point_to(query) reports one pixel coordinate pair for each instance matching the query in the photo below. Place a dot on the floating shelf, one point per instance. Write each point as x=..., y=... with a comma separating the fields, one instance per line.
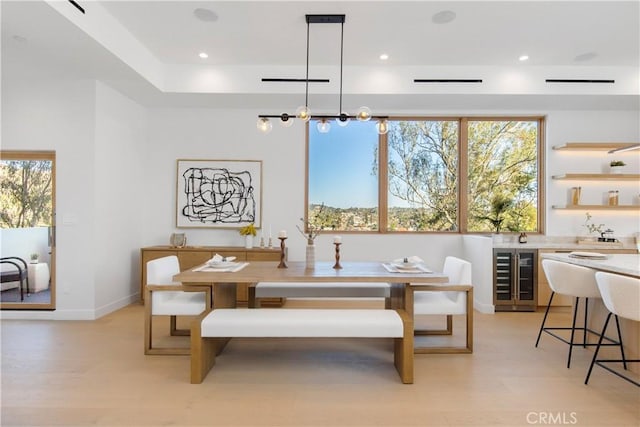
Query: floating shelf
x=593, y=146
x=599, y=176
x=598, y=207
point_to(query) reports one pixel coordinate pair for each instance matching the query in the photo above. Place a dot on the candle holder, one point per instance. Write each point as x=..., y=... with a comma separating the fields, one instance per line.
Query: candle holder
x=282, y=248
x=337, y=264
x=262, y=242
x=270, y=243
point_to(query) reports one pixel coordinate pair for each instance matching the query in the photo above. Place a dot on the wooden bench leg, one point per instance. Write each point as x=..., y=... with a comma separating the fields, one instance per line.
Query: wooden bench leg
x=203, y=351
x=403, y=349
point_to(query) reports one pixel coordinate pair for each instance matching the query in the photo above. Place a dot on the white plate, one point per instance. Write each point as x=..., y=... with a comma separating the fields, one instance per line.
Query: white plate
x=405, y=266
x=221, y=264
x=592, y=255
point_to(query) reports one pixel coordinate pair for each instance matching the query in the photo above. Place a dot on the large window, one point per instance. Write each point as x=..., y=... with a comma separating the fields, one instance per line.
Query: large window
x=427, y=175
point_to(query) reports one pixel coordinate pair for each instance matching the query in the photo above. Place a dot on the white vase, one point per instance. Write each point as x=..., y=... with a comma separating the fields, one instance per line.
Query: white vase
x=248, y=241
x=617, y=169
x=310, y=257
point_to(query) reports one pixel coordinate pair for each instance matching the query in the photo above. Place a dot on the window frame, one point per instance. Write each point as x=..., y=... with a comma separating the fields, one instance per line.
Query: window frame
x=463, y=163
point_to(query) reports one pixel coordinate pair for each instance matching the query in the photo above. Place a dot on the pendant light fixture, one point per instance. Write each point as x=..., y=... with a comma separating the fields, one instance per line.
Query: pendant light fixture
x=304, y=113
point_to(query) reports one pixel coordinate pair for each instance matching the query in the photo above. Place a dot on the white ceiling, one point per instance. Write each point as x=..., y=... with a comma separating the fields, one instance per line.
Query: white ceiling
x=483, y=33
x=149, y=49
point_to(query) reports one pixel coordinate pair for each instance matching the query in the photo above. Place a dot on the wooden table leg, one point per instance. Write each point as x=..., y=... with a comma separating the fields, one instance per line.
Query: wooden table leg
x=224, y=295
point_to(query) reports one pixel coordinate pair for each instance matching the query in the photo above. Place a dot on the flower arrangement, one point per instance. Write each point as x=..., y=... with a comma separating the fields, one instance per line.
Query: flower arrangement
x=615, y=163
x=248, y=230
x=591, y=227
x=312, y=230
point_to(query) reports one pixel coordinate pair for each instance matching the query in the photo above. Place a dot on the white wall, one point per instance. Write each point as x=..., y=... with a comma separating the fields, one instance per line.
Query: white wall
x=120, y=187
x=22, y=242
x=97, y=135
x=591, y=126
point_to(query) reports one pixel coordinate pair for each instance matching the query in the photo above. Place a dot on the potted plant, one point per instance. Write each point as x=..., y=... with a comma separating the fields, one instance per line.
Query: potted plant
x=34, y=258
x=617, y=166
x=248, y=232
x=499, y=205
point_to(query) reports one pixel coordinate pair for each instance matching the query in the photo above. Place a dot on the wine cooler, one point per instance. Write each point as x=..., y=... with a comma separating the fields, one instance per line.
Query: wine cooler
x=515, y=279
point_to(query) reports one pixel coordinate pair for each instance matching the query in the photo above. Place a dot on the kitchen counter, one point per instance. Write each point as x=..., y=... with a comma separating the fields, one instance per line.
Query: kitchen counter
x=568, y=243
x=627, y=264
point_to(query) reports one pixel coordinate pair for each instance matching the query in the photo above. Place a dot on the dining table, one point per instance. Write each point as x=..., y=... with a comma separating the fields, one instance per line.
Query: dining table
x=403, y=282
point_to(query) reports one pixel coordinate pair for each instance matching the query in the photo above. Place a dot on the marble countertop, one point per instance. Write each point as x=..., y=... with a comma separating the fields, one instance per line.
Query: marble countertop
x=565, y=243
x=627, y=264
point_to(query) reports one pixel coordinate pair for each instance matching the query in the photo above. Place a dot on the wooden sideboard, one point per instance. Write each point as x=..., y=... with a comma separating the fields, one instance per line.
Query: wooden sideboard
x=191, y=256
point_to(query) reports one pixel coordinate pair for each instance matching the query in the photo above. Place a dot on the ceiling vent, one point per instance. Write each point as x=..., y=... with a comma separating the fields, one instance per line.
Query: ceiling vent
x=447, y=80
x=579, y=81
x=281, y=80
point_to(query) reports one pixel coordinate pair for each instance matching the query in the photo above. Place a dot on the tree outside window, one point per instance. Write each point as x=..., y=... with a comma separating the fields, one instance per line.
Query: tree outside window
x=25, y=200
x=417, y=165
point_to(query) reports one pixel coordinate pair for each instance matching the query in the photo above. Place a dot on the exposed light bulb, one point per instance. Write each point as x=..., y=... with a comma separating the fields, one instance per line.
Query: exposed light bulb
x=323, y=126
x=382, y=127
x=286, y=120
x=343, y=120
x=264, y=125
x=364, y=114
x=303, y=113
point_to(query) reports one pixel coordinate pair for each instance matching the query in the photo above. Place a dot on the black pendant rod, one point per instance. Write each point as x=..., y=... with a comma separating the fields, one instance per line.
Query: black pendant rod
x=341, y=59
x=306, y=89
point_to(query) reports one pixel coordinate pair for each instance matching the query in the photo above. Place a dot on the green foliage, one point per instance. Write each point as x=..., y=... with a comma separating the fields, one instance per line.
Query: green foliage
x=423, y=174
x=500, y=204
x=617, y=163
x=25, y=199
x=502, y=164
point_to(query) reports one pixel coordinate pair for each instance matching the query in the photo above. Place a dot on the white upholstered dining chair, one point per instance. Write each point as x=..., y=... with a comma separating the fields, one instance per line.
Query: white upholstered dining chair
x=164, y=297
x=447, y=303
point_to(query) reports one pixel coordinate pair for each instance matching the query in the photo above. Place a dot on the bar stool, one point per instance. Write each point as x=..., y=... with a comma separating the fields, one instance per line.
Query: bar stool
x=621, y=296
x=578, y=282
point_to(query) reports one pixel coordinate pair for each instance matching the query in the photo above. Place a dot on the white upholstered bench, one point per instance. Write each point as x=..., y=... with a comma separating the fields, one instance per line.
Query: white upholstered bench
x=314, y=290
x=211, y=331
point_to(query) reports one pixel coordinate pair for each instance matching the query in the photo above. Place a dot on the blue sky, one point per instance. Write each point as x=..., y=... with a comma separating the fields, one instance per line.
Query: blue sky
x=340, y=165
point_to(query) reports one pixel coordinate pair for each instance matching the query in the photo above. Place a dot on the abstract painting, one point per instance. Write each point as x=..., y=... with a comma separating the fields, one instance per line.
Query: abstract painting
x=218, y=193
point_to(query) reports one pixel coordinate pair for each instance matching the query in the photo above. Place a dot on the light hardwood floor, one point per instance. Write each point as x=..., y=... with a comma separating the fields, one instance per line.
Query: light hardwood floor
x=88, y=373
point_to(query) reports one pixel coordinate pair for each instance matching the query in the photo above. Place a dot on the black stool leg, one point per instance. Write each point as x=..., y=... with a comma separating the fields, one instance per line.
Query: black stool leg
x=584, y=331
x=624, y=360
x=595, y=353
x=573, y=331
x=544, y=319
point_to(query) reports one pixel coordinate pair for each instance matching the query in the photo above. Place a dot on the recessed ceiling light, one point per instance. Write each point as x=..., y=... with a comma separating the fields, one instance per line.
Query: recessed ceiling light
x=523, y=58
x=585, y=57
x=203, y=55
x=206, y=15
x=443, y=17
x=384, y=57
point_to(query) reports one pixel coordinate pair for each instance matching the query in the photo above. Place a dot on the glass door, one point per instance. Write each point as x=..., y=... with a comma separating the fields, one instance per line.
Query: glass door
x=27, y=230
x=503, y=277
